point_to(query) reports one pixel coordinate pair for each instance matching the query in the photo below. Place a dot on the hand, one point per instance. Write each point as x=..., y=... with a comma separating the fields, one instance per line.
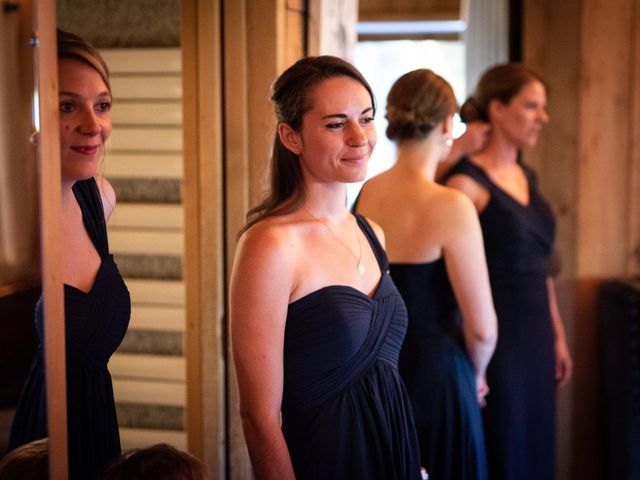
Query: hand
x=564, y=364
x=482, y=390
x=473, y=140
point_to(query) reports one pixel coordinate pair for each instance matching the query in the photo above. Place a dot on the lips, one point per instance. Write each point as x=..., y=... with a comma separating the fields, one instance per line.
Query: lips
x=357, y=158
x=86, y=150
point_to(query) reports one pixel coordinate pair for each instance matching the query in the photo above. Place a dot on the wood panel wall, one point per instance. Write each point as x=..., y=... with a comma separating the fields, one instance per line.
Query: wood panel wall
x=144, y=164
x=409, y=10
x=251, y=65
x=589, y=167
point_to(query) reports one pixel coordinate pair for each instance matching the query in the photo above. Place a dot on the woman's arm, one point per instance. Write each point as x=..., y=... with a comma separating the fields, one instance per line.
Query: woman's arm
x=564, y=364
x=261, y=283
x=472, y=141
x=467, y=269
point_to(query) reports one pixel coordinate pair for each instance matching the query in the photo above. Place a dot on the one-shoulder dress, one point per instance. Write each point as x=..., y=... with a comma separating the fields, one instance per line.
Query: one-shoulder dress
x=345, y=411
x=96, y=322
x=439, y=376
x=519, y=419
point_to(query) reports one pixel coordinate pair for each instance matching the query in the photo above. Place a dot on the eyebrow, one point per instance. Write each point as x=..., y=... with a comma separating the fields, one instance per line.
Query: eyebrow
x=344, y=115
x=72, y=94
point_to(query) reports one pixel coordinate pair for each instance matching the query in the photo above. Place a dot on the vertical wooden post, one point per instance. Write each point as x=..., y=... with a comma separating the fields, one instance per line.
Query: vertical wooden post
x=204, y=246
x=237, y=167
x=46, y=74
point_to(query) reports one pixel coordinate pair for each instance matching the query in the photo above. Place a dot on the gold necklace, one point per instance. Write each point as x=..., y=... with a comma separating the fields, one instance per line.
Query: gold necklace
x=358, y=258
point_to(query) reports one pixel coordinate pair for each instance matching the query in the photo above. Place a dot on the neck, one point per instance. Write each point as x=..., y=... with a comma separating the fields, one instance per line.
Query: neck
x=67, y=198
x=326, y=200
x=418, y=158
x=498, y=153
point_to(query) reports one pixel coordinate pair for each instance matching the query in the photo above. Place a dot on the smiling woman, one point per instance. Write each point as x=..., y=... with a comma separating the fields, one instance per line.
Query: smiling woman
x=334, y=378
x=97, y=305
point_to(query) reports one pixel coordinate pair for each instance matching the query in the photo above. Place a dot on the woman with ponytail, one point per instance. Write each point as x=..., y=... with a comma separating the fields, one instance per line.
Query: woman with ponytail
x=316, y=322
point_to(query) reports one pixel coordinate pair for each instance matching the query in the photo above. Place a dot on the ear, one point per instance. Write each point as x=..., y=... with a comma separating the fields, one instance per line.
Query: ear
x=495, y=108
x=290, y=138
x=447, y=126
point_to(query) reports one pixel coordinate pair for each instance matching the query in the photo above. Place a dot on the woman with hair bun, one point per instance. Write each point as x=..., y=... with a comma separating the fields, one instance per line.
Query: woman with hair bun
x=531, y=358
x=434, y=244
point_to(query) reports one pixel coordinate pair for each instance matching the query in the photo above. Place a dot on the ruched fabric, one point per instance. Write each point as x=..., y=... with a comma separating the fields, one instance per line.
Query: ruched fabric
x=345, y=412
x=95, y=324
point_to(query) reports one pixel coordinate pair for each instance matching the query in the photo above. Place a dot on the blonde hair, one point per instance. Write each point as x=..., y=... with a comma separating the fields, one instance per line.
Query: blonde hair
x=73, y=47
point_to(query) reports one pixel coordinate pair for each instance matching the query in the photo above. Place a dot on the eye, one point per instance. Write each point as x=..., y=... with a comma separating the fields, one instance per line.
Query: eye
x=104, y=106
x=67, y=107
x=335, y=125
x=366, y=120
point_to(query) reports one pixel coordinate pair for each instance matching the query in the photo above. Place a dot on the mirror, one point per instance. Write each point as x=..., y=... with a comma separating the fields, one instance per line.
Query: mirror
x=140, y=42
x=19, y=231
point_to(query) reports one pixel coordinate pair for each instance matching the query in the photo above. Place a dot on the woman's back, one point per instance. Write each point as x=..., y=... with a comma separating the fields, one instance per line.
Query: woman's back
x=419, y=218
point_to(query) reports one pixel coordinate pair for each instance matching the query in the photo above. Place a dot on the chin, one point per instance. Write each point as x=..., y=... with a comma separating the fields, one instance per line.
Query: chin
x=78, y=175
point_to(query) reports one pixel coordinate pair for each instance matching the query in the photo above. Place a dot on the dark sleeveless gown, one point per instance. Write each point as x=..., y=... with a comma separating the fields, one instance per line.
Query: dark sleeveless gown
x=519, y=419
x=95, y=325
x=345, y=412
x=439, y=376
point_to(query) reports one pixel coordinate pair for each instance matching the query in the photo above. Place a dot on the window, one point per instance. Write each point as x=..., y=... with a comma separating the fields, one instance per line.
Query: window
x=383, y=61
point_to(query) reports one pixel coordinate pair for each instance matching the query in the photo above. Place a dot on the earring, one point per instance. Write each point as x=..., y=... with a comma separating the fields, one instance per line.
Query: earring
x=449, y=141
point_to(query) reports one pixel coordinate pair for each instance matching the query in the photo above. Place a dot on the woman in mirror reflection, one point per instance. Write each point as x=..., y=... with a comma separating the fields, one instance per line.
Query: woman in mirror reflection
x=435, y=249
x=531, y=358
x=96, y=300
x=316, y=321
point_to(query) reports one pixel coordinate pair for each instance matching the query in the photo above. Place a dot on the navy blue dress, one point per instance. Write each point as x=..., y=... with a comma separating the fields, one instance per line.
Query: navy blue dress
x=95, y=325
x=439, y=376
x=345, y=411
x=519, y=419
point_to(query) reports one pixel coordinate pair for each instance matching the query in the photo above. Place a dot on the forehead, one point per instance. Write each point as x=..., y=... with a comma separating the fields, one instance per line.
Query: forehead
x=533, y=90
x=339, y=95
x=75, y=75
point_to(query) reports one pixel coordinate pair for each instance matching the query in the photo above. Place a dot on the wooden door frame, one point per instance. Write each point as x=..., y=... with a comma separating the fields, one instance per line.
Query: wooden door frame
x=204, y=227
x=43, y=15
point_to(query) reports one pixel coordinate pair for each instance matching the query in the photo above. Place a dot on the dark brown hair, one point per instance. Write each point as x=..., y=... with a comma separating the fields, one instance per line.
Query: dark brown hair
x=73, y=47
x=291, y=95
x=27, y=462
x=501, y=82
x=417, y=102
x=159, y=461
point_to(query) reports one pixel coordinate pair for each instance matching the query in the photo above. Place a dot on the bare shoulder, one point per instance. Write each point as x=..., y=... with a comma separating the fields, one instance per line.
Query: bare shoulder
x=373, y=191
x=452, y=201
x=472, y=189
x=107, y=194
x=271, y=241
x=450, y=211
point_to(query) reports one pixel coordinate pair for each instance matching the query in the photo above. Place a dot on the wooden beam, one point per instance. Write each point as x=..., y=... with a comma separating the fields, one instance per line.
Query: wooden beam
x=633, y=265
x=604, y=128
x=236, y=153
x=204, y=247
x=46, y=72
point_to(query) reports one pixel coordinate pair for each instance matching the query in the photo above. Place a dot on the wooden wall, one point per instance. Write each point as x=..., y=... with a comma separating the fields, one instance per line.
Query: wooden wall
x=224, y=176
x=144, y=164
x=409, y=10
x=589, y=166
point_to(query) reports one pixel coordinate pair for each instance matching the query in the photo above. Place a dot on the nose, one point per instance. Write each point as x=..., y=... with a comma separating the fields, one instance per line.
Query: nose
x=544, y=116
x=89, y=123
x=357, y=135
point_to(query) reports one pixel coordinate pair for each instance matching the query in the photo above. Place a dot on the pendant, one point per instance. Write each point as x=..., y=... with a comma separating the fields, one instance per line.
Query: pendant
x=361, y=269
